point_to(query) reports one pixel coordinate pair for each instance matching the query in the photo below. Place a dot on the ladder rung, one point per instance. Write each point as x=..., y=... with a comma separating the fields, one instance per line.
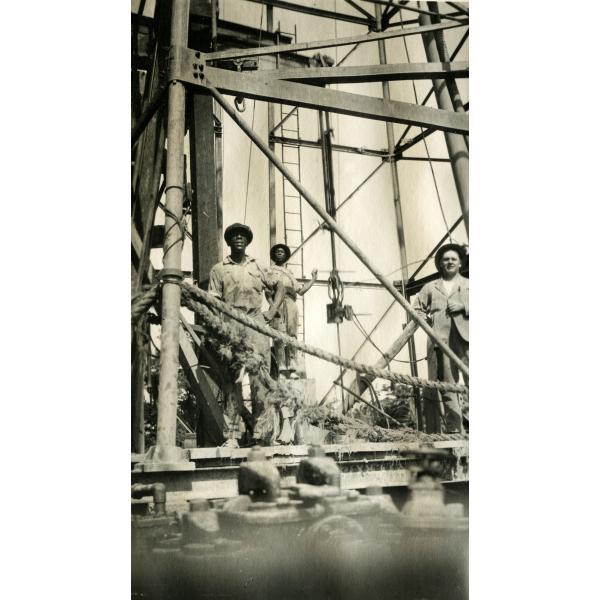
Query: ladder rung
x=291, y=212
x=289, y=229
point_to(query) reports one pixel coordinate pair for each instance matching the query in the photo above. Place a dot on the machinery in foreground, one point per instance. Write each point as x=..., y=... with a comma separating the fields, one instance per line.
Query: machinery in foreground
x=309, y=539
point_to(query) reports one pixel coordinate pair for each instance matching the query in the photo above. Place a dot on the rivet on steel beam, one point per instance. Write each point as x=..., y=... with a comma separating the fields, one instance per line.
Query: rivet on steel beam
x=197, y=54
x=195, y=75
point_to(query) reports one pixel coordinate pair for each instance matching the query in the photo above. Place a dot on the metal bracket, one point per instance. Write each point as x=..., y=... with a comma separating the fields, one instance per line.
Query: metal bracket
x=171, y=275
x=186, y=65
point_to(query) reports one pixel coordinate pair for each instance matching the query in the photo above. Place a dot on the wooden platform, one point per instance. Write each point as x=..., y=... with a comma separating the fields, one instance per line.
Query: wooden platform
x=362, y=465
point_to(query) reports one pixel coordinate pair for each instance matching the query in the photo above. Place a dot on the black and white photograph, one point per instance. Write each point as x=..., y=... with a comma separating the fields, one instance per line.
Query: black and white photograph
x=237, y=314
x=300, y=299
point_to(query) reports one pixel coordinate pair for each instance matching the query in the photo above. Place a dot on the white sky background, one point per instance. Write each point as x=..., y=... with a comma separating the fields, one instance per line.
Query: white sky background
x=369, y=216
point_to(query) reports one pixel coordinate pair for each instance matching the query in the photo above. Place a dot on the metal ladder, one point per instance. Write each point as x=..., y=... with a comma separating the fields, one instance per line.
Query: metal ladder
x=292, y=202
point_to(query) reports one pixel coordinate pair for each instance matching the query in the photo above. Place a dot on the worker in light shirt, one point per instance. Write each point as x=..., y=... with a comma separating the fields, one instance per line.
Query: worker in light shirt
x=445, y=304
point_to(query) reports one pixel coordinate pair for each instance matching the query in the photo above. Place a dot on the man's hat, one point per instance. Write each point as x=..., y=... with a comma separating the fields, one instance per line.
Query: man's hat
x=287, y=250
x=460, y=250
x=238, y=227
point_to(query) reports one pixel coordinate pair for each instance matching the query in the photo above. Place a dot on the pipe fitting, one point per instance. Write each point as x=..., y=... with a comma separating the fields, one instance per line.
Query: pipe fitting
x=158, y=491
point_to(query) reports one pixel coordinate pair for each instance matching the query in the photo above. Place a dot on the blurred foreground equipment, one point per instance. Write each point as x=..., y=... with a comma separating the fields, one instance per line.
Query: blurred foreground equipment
x=307, y=539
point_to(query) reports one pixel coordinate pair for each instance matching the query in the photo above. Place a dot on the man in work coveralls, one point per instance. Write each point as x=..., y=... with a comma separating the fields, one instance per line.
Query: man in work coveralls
x=286, y=318
x=444, y=303
x=240, y=281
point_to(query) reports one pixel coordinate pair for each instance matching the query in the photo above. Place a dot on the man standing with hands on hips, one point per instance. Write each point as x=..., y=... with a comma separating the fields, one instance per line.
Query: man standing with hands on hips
x=445, y=305
x=240, y=281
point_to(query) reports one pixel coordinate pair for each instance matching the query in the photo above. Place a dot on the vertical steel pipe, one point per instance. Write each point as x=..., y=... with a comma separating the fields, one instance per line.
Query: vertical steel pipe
x=270, y=126
x=444, y=57
x=171, y=292
x=391, y=146
x=457, y=147
x=389, y=128
x=329, y=188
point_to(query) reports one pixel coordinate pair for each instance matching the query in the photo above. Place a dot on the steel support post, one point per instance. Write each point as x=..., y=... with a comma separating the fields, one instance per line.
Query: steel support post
x=443, y=53
x=165, y=454
x=214, y=24
x=387, y=284
x=329, y=189
x=270, y=126
x=389, y=127
x=457, y=147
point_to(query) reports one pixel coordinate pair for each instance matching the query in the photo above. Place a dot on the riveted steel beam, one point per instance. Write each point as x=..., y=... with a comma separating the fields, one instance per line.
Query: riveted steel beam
x=335, y=147
x=309, y=96
x=361, y=74
x=345, y=41
x=403, y=5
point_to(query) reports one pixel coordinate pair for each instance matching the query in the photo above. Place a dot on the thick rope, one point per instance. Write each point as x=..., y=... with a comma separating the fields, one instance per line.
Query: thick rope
x=140, y=303
x=244, y=319
x=143, y=301
x=243, y=355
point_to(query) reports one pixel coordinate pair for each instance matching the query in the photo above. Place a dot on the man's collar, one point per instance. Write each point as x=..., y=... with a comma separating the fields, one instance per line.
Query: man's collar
x=229, y=261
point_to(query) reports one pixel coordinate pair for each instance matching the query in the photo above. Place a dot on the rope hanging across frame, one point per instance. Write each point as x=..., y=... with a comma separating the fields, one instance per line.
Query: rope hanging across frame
x=194, y=298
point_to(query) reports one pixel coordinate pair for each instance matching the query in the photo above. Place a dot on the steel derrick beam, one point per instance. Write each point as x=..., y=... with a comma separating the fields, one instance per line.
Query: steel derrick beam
x=315, y=12
x=360, y=9
x=335, y=147
x=166, y=455
x=461, y=7
x=345, y=41
x=403, y=6
x=367, y=73
x=308, y=96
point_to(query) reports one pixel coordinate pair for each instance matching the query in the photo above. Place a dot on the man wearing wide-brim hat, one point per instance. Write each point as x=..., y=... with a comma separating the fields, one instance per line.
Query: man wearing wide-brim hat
x=286, y=318
x=240, y=281
x=445, y=304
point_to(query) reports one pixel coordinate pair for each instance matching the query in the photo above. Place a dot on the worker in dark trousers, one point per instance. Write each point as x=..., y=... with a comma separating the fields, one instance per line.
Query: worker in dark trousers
x=241, y=282
x=445, y=304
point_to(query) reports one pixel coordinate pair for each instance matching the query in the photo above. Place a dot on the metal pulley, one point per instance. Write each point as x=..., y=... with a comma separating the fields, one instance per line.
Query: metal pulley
x=336, y=310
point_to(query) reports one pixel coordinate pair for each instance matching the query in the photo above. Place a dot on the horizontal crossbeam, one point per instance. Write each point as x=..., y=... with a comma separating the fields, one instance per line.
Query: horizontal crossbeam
x=335, y=147
x=345, y=41
x=308, y=96
x=361, y=74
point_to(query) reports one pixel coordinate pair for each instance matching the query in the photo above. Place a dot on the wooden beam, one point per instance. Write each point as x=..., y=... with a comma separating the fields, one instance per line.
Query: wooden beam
x=308, y=96
x=345, y=41
x=361, y=74
x=207, y=214
x=211, y=414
